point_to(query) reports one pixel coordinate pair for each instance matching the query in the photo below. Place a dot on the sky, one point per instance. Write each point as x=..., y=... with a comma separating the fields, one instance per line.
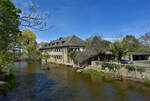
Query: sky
x=111, y=19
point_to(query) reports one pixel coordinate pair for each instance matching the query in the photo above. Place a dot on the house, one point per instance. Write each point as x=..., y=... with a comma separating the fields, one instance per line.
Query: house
x=59, y=49
x=136, y=56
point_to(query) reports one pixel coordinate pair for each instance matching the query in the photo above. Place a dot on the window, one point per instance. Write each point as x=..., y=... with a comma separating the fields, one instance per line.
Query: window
x=53, y=44
x=63, y=42
x=57, y=43
x=49, y=50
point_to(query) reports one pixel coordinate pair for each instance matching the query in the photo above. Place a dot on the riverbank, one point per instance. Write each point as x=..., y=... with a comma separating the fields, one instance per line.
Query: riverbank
x=113, y=71
x=118, y=72
x=7, y=82
x=63, y=82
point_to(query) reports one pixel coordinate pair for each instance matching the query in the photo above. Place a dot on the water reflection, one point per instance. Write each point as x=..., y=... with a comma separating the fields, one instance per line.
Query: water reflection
x=64, y=84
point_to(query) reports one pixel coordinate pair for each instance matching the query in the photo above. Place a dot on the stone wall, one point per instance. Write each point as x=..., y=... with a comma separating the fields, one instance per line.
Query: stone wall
x=122, y=72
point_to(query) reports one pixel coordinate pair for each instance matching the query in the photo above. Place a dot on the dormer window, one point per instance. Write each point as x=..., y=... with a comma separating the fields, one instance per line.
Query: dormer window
x=53, y=44
x=57, y=43
x=63, y=42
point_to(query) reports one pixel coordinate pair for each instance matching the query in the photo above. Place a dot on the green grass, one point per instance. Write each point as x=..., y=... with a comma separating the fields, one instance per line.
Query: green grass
x=147, y=62
x=51, y=63
x=140, y=69
x=130, y=67
x=94, y=72
x=147, y=82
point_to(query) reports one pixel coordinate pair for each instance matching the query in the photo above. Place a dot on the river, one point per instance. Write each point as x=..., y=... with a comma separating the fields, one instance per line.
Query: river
x=62, y=83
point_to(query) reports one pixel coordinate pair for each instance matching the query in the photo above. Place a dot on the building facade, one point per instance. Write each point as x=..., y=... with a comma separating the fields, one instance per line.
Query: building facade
x=59, y=49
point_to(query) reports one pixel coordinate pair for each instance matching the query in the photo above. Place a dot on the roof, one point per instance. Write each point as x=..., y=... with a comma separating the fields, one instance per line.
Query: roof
x=137, y=53
x=66, y=42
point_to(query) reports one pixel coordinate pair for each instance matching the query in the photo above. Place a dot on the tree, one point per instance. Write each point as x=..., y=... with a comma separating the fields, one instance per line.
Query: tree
x=29, y=40
x=131, y=43
x=31, y=19
x=9, y=23
x=118, y=50
x=107, y=44
x=145, y=41
x=95, y=46
x=5, y=61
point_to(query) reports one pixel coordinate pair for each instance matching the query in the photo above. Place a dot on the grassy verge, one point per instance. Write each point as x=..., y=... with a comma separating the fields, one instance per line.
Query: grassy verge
x=147, y=82
x=94, y=72
x=146, y=62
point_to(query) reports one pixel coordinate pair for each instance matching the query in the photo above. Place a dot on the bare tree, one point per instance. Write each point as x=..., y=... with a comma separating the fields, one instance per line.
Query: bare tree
x=145, y=39
x=145, y=43
x=34, y=20
x=94, y=47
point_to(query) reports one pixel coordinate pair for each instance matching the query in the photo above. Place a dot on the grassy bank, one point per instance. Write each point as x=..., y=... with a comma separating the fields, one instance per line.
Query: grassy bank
x=94, y=72
x=147, y=62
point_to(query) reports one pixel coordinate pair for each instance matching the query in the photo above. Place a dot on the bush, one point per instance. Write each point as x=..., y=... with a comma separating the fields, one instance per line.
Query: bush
x=5, y=61
x=73, y=54
x=11, y=83
x=110, y=66
x=130, y=67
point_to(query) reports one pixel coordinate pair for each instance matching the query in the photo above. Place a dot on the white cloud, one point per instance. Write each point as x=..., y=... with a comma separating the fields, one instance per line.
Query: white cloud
x=41, y=40
x=113, y=39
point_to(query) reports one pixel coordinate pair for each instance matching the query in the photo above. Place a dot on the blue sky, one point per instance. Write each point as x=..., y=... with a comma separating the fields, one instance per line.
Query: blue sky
x=84, y=18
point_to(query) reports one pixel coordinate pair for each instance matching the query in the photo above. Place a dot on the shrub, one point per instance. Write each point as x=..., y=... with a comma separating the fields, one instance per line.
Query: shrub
x=11, y=83
x=110, y=66
x=73, y=54
x=130, y=67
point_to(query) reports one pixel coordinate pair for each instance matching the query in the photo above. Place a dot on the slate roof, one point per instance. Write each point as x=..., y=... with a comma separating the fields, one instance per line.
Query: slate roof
x=66, y=42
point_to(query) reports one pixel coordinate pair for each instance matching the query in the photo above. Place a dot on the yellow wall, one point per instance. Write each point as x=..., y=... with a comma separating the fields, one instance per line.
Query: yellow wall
x=65, y=58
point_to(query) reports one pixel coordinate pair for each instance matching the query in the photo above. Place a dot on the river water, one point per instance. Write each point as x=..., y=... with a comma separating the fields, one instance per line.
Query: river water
x=62, y=83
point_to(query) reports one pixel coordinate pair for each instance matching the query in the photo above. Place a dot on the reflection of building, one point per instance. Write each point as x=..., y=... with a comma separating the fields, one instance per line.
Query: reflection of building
x=59, y=49
x=135, y=56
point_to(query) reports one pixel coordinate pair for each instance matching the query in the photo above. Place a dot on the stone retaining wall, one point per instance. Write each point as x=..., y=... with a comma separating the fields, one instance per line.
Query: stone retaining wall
x=122, y=72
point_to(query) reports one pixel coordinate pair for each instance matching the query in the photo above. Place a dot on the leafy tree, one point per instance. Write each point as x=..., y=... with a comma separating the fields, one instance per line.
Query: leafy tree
x=5, y=61
x=29, y=40
x=131, y=43
x=118, y=50
x=9, y=23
